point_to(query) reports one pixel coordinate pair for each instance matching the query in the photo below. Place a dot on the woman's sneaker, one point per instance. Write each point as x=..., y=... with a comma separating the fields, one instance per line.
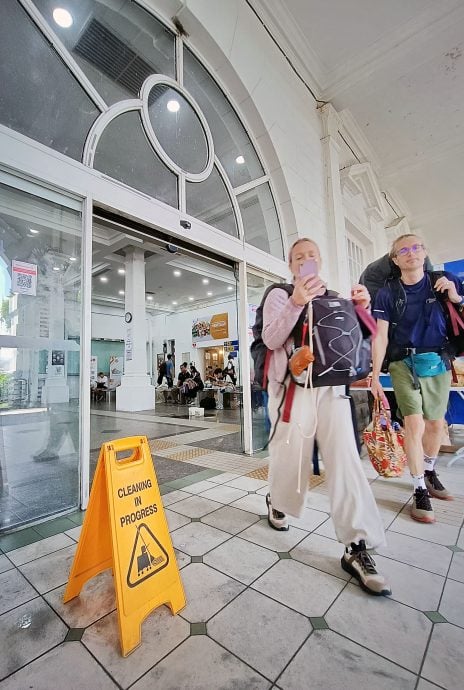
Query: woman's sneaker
x=360, y=564
x=275, y=518
x=435, y=487
x=422, y=510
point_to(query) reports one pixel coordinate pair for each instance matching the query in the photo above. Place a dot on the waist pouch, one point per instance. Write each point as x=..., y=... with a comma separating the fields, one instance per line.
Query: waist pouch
x=425, y=364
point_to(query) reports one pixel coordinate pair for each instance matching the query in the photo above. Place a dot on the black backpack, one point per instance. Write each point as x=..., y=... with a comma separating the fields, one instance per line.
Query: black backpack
x=341, y=344
x=381, y=271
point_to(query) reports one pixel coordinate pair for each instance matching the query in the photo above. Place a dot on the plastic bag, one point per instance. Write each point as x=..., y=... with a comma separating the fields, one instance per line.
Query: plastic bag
x=385, y=444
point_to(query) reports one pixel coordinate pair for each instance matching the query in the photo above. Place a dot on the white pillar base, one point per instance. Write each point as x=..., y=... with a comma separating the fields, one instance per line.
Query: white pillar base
x=135, y=395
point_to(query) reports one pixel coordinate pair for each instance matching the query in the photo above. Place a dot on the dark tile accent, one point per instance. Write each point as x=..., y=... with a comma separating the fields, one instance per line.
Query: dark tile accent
x=14, y=541
x=197, y=559
x=185, y=481
x=283, y=554
x=196, y=519
x=77, y=518
x=456, y=549
x=74, y=634
x=319, y=623
x=56, y=526
x=231, y=443
x=198, y=628
x=435, y=617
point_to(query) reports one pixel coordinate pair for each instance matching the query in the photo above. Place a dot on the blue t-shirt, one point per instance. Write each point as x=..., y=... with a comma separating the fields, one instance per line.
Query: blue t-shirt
x=423, y=322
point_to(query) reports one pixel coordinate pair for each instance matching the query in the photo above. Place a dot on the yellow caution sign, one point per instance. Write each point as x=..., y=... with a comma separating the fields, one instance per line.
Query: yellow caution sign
x=125, y=529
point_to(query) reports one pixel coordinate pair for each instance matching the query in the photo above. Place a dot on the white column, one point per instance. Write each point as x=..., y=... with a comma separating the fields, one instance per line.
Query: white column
x=135, y=392
x=339, y=277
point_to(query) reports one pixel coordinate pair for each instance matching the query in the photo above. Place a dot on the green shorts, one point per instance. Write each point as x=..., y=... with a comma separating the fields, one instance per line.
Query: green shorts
x=430, y=401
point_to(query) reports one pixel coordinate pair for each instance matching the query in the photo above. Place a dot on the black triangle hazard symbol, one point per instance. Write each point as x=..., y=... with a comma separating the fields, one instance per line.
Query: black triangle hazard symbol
x=148, y=556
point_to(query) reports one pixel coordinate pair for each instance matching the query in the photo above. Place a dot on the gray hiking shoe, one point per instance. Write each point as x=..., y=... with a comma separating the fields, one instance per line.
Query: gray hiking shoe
x=435, y=487
x=360, y=564
x=421, y=509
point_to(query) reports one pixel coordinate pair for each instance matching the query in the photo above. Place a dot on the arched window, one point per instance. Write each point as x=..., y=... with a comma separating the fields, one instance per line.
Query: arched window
x=128, y=108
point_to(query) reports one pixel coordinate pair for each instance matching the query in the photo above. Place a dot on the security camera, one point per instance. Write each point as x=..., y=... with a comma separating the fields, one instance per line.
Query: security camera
x=186, y=224
x=172, y=248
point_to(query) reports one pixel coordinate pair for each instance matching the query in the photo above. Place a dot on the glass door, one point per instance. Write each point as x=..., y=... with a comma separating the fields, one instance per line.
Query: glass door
x=40, y=282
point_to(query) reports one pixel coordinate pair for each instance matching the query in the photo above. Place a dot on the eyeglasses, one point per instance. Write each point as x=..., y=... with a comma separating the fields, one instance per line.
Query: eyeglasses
x=407, y=250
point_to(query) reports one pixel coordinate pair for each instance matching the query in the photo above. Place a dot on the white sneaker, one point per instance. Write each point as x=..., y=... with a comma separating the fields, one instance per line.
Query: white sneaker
x=275, y=518
x=360, y=564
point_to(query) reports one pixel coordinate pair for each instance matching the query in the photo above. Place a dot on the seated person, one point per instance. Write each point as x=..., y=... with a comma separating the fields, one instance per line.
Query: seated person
x=192, y=385
x=209, y=376
x=101, y=386
x=177, y=390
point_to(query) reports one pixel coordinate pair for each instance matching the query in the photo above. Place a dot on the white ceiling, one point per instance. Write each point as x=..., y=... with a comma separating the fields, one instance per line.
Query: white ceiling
x=398, y=67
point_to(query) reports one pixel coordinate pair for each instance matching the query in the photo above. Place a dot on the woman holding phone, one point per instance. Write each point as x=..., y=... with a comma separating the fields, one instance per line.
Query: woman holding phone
x=322, y=414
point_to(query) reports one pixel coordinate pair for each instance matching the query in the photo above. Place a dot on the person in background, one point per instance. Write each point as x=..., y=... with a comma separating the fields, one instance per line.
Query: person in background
x=192, y=385
x=169, y=371
x=419, y=364
x=321, y=414
x=101, y=386
x=230, y=369
x=182, y=376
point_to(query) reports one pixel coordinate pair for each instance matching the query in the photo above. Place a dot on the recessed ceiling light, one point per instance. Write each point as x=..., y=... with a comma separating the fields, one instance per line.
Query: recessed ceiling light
x=205, y=281
x=121, y=271
x=150, y=298
x=190, y=299
x=210, y=294
x=175, y=303
x=240, y=160
x=121, y=292
x=72, y=258
x=34, y=232
x=62, y=17
x=56, y=268
x=173, y=106
x=229, y=287
x=103, y=279
x=177, y=273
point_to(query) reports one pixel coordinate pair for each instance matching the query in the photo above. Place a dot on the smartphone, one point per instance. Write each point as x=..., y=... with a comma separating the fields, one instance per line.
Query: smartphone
x=309, y=268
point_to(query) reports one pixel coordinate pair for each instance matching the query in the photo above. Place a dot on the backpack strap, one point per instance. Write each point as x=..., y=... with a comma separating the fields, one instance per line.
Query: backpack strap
x=289, y=401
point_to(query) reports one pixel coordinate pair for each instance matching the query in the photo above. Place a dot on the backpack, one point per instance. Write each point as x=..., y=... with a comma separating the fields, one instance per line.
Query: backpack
x=341, y=344
x=380, y=272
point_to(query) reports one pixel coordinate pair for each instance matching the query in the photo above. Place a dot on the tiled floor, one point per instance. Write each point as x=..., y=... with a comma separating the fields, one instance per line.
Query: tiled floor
x=264, y=609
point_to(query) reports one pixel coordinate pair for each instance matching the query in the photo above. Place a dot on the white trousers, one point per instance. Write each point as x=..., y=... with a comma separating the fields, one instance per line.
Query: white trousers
x=326, y=411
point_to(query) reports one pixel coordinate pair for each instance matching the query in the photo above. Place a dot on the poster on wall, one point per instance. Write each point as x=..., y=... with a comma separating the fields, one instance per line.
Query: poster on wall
x=128, y=345
x=23, y=278
x=116, y=370
x=93, y=368
x=207, y=328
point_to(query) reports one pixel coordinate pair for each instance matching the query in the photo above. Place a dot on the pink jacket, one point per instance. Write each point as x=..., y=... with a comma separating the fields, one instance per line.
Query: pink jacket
x=280, y=315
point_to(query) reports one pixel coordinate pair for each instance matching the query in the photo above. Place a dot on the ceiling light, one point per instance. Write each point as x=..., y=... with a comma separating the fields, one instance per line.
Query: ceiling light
x=103, y=279
x=205, y=281
x=121, y=292
x=190, y=299
x=121, y=271
x=229, y=287
x=56, y=268
x=240, y=160
x=72, y=258
x=173, y=106
x=210, y=294
x=177, y=273
x=34, y=232
x=150, y=298
x=62, y=17
x=175, y=304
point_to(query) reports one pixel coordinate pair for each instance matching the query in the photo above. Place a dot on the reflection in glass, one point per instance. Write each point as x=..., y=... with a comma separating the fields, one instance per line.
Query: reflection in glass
x=260, y=221
x=177, y=128
x=232, y=144
x=117, y=44
x=125, y=153
x=30, y=71
x=209, y=201
x=40, y=279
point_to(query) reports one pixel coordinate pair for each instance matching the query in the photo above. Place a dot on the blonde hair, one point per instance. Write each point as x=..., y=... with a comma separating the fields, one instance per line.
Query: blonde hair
x=403, y=237
x=298, y=241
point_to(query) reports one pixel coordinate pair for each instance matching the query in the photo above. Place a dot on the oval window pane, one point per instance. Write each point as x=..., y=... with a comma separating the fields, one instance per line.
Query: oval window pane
x=260, y=221
x=178, y=128
x=124, y=153
x=232, y=145
x=209, y=201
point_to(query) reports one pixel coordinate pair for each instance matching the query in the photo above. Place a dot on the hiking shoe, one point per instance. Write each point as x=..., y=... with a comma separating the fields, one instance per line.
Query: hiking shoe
x=422, y=510
x=435, y=487
x=275, y=518
x=360, y=564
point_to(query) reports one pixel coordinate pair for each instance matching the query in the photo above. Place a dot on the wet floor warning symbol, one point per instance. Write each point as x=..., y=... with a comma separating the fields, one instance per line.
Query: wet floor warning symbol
x=148, y=556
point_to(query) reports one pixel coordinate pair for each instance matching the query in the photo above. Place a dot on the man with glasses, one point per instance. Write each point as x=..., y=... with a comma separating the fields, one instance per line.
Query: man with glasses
x=412, y=332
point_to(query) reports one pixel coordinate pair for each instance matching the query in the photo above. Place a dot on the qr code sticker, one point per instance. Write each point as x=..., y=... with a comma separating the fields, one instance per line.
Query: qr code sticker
x=24, y=281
